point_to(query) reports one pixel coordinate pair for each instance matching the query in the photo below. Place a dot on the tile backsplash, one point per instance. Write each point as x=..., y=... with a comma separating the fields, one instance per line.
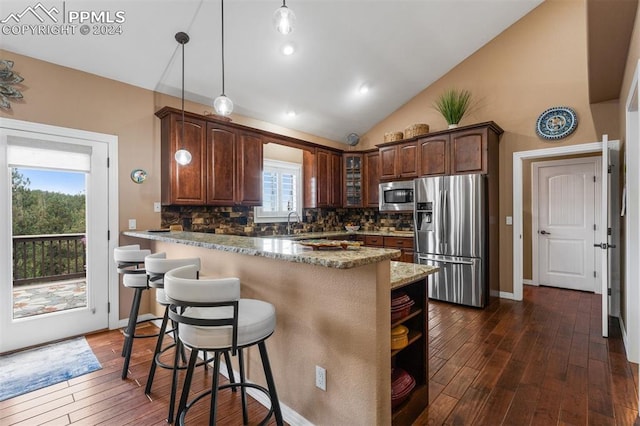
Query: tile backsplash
x=239, y=220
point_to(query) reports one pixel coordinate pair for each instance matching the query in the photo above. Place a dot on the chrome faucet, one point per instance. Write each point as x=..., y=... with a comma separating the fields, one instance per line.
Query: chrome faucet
x=289, y=220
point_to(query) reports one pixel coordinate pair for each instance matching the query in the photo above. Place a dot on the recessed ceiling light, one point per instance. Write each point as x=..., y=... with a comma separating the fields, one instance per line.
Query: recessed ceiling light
x=364, y=88
x=288, y=49
x=291, y=113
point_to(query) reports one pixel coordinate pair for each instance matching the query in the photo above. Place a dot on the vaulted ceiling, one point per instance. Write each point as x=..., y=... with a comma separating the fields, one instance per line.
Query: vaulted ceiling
x=397, y=47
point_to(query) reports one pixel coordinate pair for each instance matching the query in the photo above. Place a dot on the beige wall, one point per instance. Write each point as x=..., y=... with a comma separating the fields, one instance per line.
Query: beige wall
x=66, y=97
x=538, y=63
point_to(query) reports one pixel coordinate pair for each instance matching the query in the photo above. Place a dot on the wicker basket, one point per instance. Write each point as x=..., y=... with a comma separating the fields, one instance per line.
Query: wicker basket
x=393, y=136
x=416, y=130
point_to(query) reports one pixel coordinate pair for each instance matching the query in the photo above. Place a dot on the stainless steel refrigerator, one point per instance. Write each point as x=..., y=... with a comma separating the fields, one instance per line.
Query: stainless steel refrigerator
x=451, y=233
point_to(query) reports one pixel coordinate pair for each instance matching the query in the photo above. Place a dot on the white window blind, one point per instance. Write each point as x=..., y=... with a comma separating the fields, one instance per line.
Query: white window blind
x=22, y=152
x=281, y=192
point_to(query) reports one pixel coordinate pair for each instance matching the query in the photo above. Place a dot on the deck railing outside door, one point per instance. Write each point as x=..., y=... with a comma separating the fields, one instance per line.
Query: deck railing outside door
x=42, y=258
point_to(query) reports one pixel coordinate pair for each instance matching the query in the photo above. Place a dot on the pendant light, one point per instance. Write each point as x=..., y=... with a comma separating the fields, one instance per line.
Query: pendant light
x=222, y=104
x=284, y=19
x=182, y=156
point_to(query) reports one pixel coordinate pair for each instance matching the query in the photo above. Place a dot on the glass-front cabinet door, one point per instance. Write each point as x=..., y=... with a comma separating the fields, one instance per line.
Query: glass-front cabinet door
x=353, y=178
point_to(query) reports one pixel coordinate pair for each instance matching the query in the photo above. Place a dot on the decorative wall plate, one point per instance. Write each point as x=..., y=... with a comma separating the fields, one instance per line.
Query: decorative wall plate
x=556, y=123
x=138, y=175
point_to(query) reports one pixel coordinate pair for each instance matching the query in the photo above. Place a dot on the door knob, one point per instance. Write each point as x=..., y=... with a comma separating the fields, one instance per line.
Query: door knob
x=605, y=246
x=543, y=232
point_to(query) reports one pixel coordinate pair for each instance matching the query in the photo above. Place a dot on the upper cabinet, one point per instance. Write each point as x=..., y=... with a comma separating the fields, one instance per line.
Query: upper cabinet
x=371, y=178
x=399, y=161
x=183, y=184
x=434, y=155
x=353, y=177
x=469, y=149
x=323, y=178
x=226, y=165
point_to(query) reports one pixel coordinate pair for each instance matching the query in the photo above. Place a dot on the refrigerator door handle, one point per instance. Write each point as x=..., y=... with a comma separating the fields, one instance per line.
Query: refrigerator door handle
x=443, y=260
x=445, y=219
x=441, y=217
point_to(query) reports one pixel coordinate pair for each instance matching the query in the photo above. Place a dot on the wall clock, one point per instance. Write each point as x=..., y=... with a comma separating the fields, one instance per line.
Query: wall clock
x=556, y=123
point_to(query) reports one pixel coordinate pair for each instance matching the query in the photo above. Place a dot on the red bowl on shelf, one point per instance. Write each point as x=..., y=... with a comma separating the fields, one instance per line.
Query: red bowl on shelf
x=401, y=311
x=401, y=386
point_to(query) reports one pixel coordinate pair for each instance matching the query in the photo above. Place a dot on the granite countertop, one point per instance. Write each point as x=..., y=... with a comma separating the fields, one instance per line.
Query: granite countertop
x=404, y=273
x=345, y=234
x=275, y=248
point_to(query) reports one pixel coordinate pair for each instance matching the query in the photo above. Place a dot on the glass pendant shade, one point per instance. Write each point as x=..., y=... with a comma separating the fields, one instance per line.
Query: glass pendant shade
x=223, y=105
x=284, y=20
x=183, y=157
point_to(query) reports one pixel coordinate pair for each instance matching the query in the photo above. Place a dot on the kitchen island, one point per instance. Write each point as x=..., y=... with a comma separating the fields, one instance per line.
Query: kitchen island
x=333, y=311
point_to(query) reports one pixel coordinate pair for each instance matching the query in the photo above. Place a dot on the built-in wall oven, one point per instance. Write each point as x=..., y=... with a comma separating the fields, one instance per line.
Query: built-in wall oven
x=396, y=196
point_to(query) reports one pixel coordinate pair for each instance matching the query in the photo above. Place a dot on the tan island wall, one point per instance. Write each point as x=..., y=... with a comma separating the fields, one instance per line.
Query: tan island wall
x=335, y=318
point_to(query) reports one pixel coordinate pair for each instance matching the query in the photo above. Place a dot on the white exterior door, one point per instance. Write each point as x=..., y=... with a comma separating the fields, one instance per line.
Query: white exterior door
x=61, y=153
x=566, y=223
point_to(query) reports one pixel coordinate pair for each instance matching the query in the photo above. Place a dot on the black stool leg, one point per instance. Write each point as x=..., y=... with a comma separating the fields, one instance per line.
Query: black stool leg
x=187, y=385
x=243, y=391
x=270, y=383
x=131, y=330
x=174, y=382
x=154, y=362
x=227, y=360
x=214, y=388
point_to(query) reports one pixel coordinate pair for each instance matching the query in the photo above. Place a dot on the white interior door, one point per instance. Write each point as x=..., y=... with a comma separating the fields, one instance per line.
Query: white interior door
x=566, y=224
x=23, y=150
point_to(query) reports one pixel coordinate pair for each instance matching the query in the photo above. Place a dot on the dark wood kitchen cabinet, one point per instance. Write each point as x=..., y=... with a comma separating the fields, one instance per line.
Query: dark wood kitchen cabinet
x=322, y=171
x=434, y=155
x=234, y=167
x=354, y=180
x=399, y=161
x=371, y=178
x=226, y=165
x=185, y=185
x=471, y=149
x=468, y=149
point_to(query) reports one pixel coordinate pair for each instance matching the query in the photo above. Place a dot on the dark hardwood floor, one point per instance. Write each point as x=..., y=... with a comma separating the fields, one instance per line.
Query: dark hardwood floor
x=103, y=398
x=537, y=362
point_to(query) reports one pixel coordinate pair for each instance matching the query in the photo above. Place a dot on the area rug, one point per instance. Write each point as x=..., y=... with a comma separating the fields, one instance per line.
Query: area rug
x=33, y=369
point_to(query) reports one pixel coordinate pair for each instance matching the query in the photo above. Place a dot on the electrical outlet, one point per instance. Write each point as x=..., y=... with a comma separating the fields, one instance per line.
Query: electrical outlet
x=156, y=207
x=321, y=378
x=132, y=224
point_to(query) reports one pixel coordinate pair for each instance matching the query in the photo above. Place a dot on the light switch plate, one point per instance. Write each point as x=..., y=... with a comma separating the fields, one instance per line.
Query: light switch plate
x=132, y=224
x=509, y=220
x=156, y=207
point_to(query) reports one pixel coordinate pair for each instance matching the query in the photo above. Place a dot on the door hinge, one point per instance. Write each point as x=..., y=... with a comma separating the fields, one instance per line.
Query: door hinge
x=108, y=307
x=594, y=274
x=594, y=227
x=609, y=291
x=594, y=179
x=609, y=231
x=108, y=162
x=108, y=235
x=609, y=168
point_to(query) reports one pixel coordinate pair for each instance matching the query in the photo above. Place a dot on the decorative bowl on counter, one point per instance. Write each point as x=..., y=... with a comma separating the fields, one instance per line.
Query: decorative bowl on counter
x=352, y=228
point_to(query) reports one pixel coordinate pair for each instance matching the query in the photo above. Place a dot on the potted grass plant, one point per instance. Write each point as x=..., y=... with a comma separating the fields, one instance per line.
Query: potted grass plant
x=453, y=104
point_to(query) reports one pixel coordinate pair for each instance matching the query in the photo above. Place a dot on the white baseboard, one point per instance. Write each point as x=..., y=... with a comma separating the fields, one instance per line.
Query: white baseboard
x=144, y=317
x=528, y=282
x=506, y=295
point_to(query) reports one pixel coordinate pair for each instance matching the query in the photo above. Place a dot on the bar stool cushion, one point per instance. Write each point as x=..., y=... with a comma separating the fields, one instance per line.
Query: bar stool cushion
x=157, y=263
x=135, y=280
x=256, y=321
x=130, y=253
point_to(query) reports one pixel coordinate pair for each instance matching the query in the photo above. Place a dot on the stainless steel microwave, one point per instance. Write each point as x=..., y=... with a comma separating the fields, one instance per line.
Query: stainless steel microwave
x=396, y=196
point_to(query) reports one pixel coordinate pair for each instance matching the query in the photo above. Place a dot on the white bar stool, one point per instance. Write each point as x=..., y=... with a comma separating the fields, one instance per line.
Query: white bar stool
x=129, y=262
x=215, y=319
x=157, y=265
